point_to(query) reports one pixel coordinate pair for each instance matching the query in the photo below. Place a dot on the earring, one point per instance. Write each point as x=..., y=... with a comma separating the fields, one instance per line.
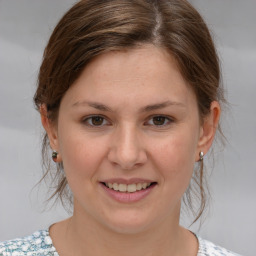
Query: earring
x=54, y=155
x=201, y=155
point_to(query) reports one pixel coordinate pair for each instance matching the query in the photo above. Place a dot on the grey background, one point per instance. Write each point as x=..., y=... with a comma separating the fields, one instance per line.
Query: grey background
x=25, y=26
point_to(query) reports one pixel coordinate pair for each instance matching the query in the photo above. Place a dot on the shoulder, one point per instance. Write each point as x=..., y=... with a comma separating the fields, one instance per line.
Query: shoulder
x=207, y=248
x=37, y=244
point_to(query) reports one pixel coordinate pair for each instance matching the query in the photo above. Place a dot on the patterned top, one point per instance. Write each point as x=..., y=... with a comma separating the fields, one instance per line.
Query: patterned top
x=40, y=244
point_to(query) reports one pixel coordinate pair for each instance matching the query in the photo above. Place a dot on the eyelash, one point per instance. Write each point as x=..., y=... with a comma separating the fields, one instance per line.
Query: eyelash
x=88, y=121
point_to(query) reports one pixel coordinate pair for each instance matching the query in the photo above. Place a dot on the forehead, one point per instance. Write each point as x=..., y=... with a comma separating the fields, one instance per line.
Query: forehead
x=138, y=75
x=144, y=61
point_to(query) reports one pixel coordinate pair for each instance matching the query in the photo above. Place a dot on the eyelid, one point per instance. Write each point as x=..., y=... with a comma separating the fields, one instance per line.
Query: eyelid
x=85, y=121
x=168, y=118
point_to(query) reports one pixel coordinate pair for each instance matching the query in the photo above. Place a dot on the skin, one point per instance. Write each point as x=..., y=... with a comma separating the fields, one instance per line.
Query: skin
x=129, y=143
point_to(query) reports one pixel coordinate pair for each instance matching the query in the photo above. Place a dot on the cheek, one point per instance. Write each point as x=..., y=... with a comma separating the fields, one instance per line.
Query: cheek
x=175, y=159
x=81, y=154
x=177, y=151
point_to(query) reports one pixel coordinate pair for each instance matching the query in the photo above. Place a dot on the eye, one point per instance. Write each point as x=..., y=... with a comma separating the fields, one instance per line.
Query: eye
x=159, y=121
x=95, y=121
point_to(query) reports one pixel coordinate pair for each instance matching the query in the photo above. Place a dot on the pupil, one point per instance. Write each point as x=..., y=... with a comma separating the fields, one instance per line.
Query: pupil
x=159, y=120
x=97, y=120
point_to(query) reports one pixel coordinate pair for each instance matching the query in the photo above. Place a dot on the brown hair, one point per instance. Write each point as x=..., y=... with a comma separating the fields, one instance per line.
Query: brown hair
x=93, y=27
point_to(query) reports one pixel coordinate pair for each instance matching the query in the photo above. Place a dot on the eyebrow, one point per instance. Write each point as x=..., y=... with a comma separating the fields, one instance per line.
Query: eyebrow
x=161, y=105
x=148, y=108
x=95, y=105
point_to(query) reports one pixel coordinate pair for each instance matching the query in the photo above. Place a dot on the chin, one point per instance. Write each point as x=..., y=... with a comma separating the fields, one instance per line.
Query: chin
x=129, y=223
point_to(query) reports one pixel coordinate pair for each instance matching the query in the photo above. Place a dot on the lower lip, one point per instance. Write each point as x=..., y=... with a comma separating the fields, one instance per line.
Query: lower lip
x=126, y=197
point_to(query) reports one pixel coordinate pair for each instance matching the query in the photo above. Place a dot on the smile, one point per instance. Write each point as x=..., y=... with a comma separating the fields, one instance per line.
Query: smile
x=128, y=188
x=128, y=191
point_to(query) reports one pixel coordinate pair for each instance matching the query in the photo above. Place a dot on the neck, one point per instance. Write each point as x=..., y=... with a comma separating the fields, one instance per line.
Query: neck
x=106, y=242
x=84, y=236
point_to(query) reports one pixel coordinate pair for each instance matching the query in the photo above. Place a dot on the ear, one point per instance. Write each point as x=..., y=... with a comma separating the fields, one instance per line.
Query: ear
x=208, y=129
x=50, y=128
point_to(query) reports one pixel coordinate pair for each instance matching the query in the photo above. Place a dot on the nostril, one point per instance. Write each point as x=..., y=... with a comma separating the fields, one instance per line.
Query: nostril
x=127, y=155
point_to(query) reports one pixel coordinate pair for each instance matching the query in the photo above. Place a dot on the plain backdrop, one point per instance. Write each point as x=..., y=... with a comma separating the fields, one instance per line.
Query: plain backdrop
x=25, y=26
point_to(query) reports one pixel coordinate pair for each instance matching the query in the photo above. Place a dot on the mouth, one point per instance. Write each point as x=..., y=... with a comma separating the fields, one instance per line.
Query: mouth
x=128, y=188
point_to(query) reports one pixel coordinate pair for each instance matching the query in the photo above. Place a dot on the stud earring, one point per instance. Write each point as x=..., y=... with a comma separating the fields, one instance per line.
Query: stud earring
x=201, y=155
x=54, y=155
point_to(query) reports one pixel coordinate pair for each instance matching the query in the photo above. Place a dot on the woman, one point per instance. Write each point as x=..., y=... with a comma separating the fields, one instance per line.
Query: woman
x=129, y=96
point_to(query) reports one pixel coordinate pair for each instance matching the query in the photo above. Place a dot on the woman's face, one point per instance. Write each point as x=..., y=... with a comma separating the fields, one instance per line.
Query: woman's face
x=128, y=134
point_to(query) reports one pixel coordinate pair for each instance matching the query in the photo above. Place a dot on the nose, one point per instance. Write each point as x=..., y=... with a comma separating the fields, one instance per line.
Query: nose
x=127, y=149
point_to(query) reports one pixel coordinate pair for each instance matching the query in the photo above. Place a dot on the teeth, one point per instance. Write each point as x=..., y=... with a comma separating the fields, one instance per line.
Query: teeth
x=115, y=186
x=122, y=187
x=139, y=186
x=128, y=188
x=144, y=185
x=131, y=188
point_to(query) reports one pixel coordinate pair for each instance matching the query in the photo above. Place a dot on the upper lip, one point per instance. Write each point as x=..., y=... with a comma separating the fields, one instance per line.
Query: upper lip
x=127, y=181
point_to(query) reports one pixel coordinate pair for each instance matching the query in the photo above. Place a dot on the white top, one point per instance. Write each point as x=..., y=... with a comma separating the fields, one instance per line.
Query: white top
x=40, y=244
